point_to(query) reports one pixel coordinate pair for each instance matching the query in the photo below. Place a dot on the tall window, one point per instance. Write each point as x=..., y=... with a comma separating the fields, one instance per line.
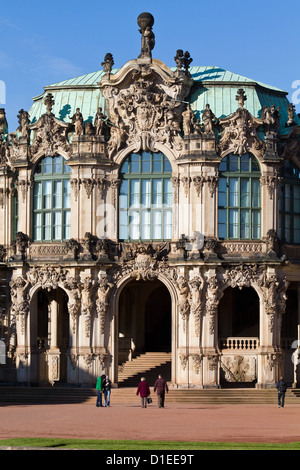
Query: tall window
x=51, y=200
x=239, y=211
x=145, y=201
x=289, y=204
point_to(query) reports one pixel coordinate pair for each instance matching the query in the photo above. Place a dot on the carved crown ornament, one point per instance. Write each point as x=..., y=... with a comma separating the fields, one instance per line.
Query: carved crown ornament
x=239, y=134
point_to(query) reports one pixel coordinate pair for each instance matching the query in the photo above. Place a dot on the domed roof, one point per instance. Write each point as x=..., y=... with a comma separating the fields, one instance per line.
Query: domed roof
x=212, y=85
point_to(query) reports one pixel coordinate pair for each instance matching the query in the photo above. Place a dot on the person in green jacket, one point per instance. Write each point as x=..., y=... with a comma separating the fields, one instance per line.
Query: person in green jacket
x=99, y=392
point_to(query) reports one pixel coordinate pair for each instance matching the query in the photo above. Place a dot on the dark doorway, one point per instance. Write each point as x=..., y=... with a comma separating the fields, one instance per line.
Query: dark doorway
x=158, y=320
x=239, y=313
x=145, y=316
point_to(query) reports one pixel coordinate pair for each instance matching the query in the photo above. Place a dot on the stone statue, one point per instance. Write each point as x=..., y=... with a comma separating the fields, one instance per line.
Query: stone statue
x=145, y=22
x=77, y=120
x=271, y=118
x=24, y=122
x=208, y=118
x=99, y=121
x=188, y=120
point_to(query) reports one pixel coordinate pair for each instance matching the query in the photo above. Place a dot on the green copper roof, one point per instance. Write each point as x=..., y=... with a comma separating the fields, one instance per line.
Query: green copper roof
x=217, y=87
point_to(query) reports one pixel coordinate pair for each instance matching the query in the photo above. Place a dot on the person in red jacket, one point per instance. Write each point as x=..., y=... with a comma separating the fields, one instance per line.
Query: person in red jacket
x=161, y=387
x=144, y=391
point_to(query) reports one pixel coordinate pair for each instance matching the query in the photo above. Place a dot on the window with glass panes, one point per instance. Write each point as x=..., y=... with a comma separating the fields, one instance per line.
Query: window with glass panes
x=145, y=198
x=52, y=200
x=239, y=199
x=289, y=204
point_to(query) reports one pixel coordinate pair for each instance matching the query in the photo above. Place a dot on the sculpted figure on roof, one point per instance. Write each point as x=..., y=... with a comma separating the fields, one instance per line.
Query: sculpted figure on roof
x=208, y=119
x=77, y=120
x=99, y=122
x=145, y=22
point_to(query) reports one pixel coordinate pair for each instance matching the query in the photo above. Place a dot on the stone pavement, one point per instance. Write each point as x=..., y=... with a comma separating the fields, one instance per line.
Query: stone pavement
x=180, y=422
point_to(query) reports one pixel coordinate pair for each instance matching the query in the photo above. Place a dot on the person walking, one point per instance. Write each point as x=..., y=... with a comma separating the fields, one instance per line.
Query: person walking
x=281, y=387
x=161, y=387
x=144, y=391
x=107, y=391
x=99, y=392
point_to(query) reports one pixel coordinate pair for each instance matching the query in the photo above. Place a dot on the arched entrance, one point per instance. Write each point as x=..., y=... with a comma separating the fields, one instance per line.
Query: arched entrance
x=238, y=333
x=144, y=326
x=49, y=337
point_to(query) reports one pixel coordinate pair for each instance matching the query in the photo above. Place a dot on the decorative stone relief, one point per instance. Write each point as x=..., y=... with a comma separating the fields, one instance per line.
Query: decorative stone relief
x=73, y=291
x=240, y=131
x=198, y=183
x=145, y=104
x=212, y=182
x=20, y=300
x=239, y=368
x=197, y=360
x=197, y=300
x=23, y=186
x=183, y=360
x=272, y=183
x=104, y=288
x=47, y=276
x=186, y=184
x=87, y=303
x=183, y=300
x=50, y=134
x=88, y=184
x=75, y=186
x=213, y=296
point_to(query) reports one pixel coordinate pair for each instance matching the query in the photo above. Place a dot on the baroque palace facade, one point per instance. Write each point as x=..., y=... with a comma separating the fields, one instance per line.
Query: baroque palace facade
x=151, y=209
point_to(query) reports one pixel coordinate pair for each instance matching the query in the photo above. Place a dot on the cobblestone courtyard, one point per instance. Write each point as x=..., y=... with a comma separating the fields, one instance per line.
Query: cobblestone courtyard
x=181, y=422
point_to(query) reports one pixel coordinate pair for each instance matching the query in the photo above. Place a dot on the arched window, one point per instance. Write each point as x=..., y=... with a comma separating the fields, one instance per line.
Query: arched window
x=145, y=200
x=289, y=204
x=239, y=200
x=51, y=200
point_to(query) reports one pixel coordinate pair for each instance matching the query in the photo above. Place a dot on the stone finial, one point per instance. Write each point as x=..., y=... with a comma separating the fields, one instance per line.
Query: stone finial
x=49, y=102
x=108, y=63
x=183, y=60
x=145, y=22
x=241, y=97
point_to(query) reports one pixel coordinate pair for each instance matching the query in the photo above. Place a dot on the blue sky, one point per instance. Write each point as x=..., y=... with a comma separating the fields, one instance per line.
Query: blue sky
x=45, y=42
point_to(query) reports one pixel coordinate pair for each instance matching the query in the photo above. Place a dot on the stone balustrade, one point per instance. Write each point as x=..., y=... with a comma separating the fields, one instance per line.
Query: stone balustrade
x=237, y=343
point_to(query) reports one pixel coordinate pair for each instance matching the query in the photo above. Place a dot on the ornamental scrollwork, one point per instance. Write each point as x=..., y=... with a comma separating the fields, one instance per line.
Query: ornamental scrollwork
x=239, y=134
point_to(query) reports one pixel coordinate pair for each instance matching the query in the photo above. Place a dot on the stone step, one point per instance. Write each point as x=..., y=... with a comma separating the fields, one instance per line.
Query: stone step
x=66, y=395
x=149, y=364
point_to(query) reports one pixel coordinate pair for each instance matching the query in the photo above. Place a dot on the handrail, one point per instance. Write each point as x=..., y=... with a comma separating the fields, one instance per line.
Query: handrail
x=239, y=343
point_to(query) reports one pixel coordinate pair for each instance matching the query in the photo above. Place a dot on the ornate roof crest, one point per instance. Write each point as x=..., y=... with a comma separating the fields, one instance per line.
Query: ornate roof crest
x=49, y=133
x=240, y=136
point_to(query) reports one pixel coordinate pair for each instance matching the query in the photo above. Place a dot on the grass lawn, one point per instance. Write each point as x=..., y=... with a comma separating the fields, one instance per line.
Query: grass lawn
x=84, y=444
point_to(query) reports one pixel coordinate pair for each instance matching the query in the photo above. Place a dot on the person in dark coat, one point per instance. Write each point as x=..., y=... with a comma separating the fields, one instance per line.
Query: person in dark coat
x=107, y=391
x=281, y=387
x=144, y=391
x=161, y=387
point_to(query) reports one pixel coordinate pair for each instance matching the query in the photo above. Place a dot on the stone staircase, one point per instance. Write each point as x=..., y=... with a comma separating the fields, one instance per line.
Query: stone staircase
x=127, y=395
x=149, y=364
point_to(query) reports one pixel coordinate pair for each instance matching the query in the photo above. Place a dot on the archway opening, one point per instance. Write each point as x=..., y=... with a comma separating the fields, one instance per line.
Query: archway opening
x=238, y=333
x=144, y=333
x=239, y=313
x=50, y=331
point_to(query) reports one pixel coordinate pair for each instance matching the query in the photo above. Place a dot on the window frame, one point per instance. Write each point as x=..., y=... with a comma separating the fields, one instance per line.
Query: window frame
x=253, y=211
x=290, y=212
x=137, y=173
x=53, y=178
